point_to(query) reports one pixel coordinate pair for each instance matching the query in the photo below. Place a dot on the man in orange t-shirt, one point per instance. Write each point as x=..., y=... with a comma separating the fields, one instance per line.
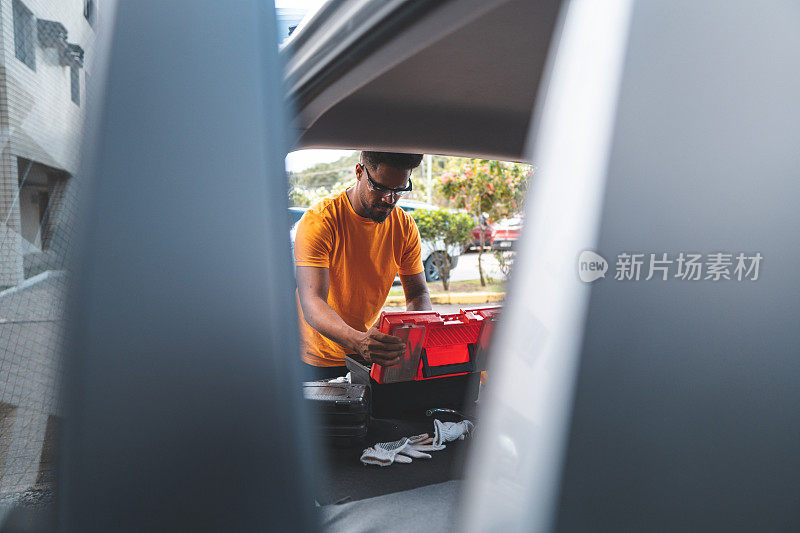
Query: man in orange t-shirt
x=348, y=249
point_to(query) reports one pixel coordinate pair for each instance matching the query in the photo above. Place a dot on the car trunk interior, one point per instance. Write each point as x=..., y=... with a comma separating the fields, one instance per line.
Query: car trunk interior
x=469, y=91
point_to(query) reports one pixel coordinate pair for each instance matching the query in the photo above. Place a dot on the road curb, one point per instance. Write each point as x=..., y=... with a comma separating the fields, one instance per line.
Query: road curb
x=453, y=298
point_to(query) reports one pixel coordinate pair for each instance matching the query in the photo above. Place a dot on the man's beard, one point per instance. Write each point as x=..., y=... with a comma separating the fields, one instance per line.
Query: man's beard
x=375, y=211
x=377, y=214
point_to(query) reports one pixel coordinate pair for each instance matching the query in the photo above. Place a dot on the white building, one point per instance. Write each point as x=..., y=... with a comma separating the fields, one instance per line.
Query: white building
x=46, y=47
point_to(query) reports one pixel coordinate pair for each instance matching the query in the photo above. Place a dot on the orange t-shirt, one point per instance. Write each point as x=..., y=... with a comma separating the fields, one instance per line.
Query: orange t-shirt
x=362, y=258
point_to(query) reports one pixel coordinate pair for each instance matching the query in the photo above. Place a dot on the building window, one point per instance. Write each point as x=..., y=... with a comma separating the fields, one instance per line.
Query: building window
x=90, y=11
x=75, y=84
x=24, y=34
x=40, y=190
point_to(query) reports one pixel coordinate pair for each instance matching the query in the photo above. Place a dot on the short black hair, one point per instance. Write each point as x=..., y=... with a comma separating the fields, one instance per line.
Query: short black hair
x=392, y=159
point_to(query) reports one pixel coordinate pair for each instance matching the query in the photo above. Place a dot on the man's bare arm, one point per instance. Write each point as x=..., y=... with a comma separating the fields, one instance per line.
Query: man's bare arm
x=416, y=290
x=312, y=287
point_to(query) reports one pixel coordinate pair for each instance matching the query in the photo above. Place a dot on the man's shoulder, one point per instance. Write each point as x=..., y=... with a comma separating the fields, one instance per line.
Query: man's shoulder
x=328, y=208
x=325, y=206
x=403, y=218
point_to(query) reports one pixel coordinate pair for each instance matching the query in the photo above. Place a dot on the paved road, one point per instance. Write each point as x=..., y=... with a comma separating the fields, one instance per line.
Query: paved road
x=467, y=269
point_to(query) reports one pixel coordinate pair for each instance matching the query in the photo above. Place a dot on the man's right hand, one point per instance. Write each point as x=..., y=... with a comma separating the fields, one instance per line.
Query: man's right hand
x=380, y=348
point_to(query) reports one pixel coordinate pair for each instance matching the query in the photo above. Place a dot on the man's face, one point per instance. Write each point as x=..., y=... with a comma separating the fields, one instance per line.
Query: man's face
x=378, y=203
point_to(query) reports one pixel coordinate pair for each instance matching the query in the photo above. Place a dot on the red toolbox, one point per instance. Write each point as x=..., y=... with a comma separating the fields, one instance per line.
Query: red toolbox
x=440, y=367
x=436, y=345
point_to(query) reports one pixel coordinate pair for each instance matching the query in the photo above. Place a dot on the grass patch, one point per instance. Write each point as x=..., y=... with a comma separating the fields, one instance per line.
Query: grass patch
x=473, y=285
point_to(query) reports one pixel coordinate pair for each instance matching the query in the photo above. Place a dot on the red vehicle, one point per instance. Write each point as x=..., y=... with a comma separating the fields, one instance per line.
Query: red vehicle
x=488, y=235
x=506, y=233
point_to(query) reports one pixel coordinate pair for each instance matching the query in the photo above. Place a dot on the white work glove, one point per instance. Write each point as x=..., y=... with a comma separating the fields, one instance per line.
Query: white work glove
x=400, y=451
x=385, y=453
x=417, y=447
x=450, y=431
x=341, y=379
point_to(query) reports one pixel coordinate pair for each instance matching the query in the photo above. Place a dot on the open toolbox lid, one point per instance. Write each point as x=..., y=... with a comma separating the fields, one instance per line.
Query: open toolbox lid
x=490, y=316
x=437, y=345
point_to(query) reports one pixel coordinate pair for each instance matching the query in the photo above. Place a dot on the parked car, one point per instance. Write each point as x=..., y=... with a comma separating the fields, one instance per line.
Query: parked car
x=505, y=233
x=482, y=226
x=295, y=214
x=428, y=253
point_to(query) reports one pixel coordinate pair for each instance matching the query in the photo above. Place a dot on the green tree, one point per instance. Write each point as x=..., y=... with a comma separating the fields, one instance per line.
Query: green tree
x=308, y=186
x=447, y=233
x=306, y=196
x=481, y=186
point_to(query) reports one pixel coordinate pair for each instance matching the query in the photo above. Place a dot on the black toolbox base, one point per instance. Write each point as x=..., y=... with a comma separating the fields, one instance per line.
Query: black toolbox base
x=413, y=398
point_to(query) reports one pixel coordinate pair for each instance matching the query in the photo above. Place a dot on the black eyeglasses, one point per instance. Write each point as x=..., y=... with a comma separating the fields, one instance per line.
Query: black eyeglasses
x=382, y=189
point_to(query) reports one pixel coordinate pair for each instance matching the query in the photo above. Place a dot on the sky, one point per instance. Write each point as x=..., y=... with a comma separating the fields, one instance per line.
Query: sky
x=302, y=159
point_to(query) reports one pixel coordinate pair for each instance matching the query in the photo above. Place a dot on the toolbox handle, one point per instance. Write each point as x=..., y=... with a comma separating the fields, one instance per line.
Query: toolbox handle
x=445, y=370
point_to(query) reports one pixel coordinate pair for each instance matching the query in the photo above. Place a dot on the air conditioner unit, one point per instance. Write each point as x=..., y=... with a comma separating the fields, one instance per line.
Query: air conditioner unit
x=72, y=55
x=52, y=34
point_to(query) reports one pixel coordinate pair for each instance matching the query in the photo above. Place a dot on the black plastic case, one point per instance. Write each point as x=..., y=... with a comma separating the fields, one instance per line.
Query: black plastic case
x=343, y=409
